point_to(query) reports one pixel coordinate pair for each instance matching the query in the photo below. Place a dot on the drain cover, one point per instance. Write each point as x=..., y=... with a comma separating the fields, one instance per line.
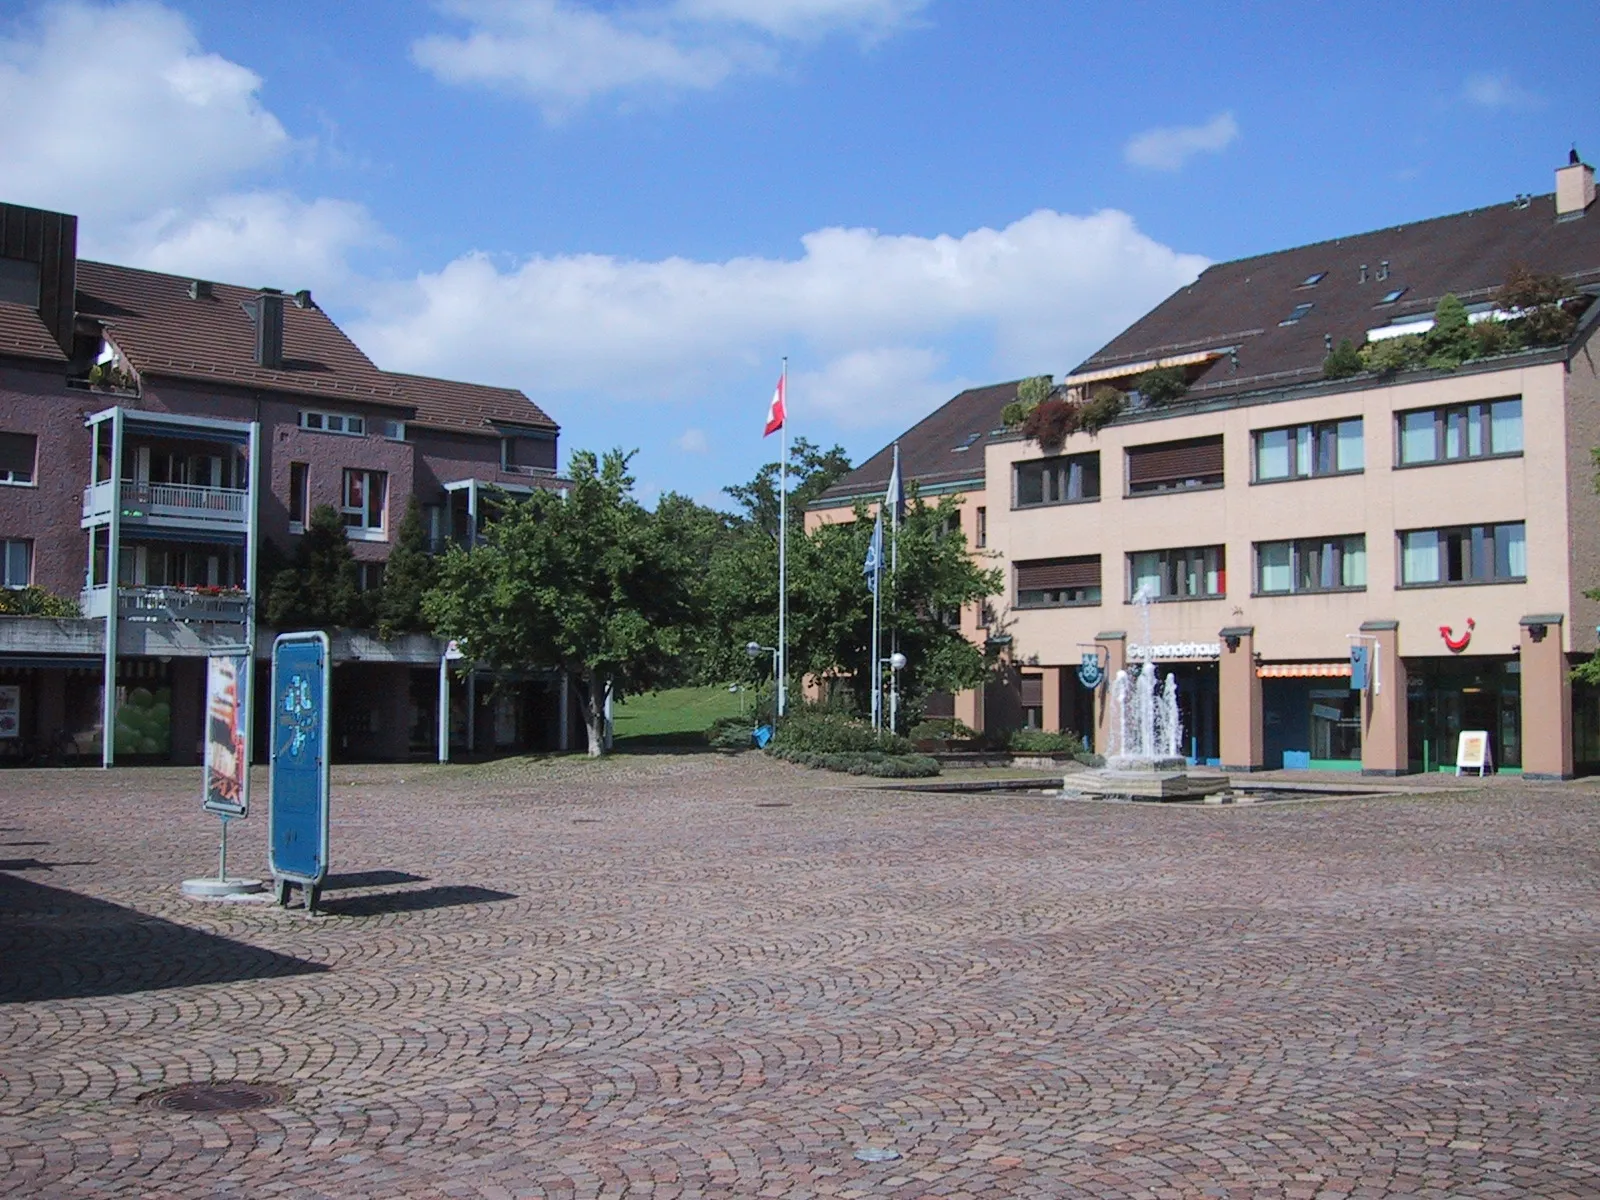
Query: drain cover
x=215, y=1097
x=773, y=804
x=877, y=1154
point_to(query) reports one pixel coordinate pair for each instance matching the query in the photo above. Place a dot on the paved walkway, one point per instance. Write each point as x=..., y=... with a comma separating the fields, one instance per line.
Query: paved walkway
x=700, y=976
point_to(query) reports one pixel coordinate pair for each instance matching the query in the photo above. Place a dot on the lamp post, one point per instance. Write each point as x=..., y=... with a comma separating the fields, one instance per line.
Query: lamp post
x=896, y=663
x=755, y=650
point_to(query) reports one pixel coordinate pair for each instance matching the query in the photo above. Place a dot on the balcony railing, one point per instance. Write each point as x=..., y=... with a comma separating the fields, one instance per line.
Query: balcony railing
x=212, y=605
x=185, y=502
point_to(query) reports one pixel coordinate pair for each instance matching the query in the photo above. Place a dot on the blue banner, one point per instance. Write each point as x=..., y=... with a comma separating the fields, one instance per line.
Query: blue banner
x=1359, y=662
x=298, y=809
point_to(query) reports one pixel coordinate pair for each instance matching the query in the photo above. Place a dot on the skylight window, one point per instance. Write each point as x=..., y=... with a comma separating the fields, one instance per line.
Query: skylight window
x=966, y=445
x=1391, y=297
x=1313, y=280
x=1300, y=310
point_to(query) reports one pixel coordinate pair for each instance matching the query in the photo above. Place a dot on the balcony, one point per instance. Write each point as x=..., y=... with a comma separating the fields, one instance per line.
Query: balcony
x=174, y=505
x=224, y=606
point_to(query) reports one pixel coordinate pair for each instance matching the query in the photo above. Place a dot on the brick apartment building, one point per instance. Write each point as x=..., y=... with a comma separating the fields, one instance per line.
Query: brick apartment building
x=156, y=432
x=1445, y=520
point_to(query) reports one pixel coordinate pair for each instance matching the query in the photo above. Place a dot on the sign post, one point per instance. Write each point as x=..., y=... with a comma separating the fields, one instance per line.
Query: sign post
x=225, y=787
x=297, y=809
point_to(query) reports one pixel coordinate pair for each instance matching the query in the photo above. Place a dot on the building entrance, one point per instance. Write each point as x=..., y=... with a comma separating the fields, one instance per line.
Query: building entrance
x=1199, y=708
x=1447, y=695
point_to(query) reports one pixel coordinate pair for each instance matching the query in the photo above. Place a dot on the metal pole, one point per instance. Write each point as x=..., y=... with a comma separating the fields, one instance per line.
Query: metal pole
x=251, y=570
x=877, y=691
x=782, y=671
x=894, y=700
x=444, y=707
x=222, y=853
x=108, y=706
x=472, y=710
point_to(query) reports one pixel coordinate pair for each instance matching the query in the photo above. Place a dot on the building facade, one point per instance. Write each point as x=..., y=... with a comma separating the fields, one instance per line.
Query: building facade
x=1248, y=535
x=162, y=439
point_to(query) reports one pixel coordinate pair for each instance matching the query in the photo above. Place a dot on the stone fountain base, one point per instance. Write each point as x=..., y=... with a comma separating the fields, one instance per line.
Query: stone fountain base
x=1138, y=778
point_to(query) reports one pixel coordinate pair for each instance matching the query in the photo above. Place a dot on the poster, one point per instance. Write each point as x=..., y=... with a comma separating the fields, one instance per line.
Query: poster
x=1472, y=752
x=227, y=758
x=11, y=711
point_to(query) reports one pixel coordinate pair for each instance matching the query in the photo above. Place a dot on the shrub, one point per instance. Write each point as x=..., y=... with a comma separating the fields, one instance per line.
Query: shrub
x=1161, y=385
x=1401, y=353
x=1013, y=414
x=1103, y=406
x=1051, y=421
x=1343, y=362
x=1090, y=759
x=1497, y=337
x=817, y=732
x=1044, y=741
x=861, y=762
x=940, y=729
x=1450, y=342
x=36, y=602
x=731, y=733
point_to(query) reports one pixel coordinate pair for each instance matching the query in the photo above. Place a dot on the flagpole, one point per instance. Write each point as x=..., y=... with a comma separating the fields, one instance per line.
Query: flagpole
x=894, y=567
x=783, y=538
x=877, y=594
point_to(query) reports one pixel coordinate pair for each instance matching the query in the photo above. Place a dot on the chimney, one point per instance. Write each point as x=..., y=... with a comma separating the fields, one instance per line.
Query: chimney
x=1574, y=187
x=302, y=299
x=269, y=330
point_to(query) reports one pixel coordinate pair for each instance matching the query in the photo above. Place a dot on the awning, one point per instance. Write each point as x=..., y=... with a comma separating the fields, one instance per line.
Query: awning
x=1139, y=368
x=1322, y=670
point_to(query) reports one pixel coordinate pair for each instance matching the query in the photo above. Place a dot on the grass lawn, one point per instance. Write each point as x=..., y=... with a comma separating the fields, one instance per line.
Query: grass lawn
x=677, y=716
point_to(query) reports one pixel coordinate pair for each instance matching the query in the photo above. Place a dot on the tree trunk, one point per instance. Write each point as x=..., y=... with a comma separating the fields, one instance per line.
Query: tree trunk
x=594, y=713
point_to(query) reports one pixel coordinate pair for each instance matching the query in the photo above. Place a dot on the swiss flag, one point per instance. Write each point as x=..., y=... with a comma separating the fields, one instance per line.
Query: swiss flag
x=775, y=411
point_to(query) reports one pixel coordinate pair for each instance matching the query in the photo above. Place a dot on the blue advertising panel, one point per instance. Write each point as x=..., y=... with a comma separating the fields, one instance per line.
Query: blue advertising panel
x=297, y=809
x=1359, y=660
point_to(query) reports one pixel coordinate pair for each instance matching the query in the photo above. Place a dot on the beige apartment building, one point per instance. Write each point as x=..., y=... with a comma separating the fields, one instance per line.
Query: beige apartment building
x=1443, y=522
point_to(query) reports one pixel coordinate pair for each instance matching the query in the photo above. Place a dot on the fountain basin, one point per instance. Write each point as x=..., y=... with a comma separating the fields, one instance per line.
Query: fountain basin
x=1171, y=781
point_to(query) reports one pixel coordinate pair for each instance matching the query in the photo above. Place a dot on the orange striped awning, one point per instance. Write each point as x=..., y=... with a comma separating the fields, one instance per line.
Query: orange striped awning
x=1325, y=670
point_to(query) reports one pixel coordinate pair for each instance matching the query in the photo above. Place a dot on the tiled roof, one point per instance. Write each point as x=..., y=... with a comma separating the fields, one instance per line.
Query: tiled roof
x=152, y=319
x=944, y=449
x=24, y=335
x=447, y=404
x=1241, y=304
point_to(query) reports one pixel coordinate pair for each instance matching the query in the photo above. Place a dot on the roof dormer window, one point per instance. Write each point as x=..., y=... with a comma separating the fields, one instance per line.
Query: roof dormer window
x=1391, y=297
x=1313, y=280
x=1298, y=315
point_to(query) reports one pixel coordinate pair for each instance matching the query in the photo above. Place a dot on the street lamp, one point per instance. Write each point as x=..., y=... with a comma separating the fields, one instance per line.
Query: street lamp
x=896, y=663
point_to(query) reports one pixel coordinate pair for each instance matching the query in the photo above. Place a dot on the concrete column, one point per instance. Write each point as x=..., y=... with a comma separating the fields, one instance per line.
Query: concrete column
x=1243, y=730
x=1050, y=718
x=1112, y=645
x=969, y=708
x=1385, y=748
x=1546, y=700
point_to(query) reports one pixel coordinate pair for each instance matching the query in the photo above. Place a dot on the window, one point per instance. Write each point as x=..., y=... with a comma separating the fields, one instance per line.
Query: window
x=1058, y=582
x=1468, y=554
x=395, y=431
x=19, y=282
x=1305, y=451
x=1177, y=574
x=1391, y=296
x=1032, y=686
x=299, y=495
x=326, y=422
x=17, y=454
x=369, y=576
x=363, y=500
x=980, y=529
x=1297, y=314
x=1058, y=480
x=16, y=562
x=1175, y=466
x=1314, y=279
x=1479, y=430
x=1311, y=565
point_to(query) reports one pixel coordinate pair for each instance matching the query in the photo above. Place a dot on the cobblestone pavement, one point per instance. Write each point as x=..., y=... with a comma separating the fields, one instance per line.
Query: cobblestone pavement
x=702, y=976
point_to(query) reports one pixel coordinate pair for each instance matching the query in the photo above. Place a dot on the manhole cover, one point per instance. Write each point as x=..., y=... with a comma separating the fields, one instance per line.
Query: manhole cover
x=215, y=1097
x=877, y=1154
x=773, y=804
x=586, y=820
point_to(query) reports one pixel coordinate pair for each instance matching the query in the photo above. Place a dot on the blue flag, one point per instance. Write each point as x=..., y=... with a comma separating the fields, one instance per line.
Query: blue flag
x=874, y=563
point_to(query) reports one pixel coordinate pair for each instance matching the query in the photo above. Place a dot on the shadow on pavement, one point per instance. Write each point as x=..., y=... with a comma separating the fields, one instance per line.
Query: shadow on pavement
x=417, y=901
x=59, y=945
x=366, y=879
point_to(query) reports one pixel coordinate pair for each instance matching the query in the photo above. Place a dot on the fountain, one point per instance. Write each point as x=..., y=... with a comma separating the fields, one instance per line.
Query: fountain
x=1144, y=760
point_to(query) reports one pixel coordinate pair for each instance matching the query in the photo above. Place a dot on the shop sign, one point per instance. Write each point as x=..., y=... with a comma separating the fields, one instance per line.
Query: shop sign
x=1165, y=650
x=1359, y=657
x=1457, y=644
x=1090, y=673
x=1472, y=752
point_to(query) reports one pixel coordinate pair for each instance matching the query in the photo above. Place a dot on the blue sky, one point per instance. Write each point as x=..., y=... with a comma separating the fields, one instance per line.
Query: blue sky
x=631, y=211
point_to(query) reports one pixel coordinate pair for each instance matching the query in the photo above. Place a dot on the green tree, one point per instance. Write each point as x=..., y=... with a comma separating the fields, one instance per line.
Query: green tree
x=1450, y=342
x=407, y=576
x=590, y=584
x=812, y=471
x=1343, y=362
x=322, y=589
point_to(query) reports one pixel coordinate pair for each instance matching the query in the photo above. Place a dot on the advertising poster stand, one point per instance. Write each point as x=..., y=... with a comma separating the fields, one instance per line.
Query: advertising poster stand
x=225, y=771
x=297, y=807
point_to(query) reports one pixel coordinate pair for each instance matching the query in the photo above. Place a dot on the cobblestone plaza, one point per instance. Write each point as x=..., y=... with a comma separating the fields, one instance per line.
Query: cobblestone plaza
x=699, y=976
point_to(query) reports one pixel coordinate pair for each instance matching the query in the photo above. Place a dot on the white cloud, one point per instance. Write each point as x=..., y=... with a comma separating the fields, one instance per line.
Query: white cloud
x=693, y=441
x=113, y=111
x=563, y=53
x=1499, y=92
x=873, y=312
x=1169, y=148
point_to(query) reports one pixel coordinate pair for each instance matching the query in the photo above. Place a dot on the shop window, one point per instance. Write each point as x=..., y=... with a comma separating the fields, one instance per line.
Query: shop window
x=1058, y=582
x=1175, y=466
x=18, y=453
x=1065, y=480
x=16, y=563
x=1466, y=554
x=299, y=496
x=364, y=499
x=1312, y=565
x=1177, y=574
x=1483, y=430
x=1307, y=451
x=330, y=422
